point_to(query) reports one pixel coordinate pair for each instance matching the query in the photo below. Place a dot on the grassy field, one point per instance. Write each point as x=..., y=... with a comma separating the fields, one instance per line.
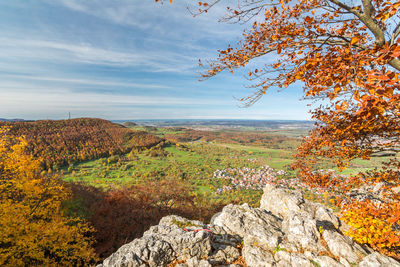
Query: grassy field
x=195, y=162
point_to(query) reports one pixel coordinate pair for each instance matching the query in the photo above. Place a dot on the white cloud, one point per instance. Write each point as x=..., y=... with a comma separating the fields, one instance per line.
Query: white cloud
x=150, y=16
x=33, y=97
x=77, y=81
x=84, y=53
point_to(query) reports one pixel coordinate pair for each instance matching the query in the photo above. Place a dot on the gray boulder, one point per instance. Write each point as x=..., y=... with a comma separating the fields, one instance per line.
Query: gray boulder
x=163, y=243
x=256, y=256
x=259, y=225
x=325, y=261
x=224, y=254
x=284, y=258
x=301, y=231
x=195, y=262
x=343, y=246
x=281, y=201
x=146, y=251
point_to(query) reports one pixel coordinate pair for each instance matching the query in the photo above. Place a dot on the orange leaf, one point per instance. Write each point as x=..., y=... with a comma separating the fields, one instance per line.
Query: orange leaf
x=354, y=40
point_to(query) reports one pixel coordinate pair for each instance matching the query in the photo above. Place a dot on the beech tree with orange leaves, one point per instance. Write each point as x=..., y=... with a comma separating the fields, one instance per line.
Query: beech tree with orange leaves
x=346, y=54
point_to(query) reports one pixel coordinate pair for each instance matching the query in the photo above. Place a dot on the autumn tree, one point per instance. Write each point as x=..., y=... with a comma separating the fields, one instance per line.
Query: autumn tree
x=33, y=229
x=346, y=56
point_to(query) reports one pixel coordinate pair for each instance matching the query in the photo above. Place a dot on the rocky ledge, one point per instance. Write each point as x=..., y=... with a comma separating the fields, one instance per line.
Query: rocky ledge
x=286, y=230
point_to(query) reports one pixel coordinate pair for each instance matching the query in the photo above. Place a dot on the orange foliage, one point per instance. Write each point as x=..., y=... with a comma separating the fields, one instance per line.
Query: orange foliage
x=345, y=53
x=120, y=215
x=33, y=230
x=66, y=141
x=373, y=224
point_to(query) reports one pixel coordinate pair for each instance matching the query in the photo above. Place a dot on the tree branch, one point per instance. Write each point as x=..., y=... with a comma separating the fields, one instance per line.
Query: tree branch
x=395, y=33
x=366, y=18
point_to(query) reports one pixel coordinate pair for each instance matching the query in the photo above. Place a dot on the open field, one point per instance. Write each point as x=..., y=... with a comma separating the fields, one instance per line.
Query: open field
x=196, y=157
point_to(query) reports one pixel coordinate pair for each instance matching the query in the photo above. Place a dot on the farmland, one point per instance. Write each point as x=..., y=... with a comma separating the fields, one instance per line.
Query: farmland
x=192, y=156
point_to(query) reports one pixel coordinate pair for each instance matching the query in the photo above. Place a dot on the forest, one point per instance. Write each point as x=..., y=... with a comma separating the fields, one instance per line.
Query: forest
x=64, y=142
x=140, y=176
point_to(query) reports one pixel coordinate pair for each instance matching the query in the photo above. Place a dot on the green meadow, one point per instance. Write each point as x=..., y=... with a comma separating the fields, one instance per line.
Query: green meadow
x=195, y=162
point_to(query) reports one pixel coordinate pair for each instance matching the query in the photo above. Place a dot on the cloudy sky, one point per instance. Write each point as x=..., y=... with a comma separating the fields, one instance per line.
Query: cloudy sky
x=122, y=59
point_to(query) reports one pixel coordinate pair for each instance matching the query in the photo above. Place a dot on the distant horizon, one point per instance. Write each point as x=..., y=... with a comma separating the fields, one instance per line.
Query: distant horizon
x=217, y=119
x=157, y=119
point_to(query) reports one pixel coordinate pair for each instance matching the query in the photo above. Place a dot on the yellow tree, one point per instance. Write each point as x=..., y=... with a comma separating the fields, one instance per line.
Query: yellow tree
x=33, y=230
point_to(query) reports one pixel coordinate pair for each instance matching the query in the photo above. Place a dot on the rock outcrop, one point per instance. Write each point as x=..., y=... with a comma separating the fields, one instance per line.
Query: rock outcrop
x=286, y=230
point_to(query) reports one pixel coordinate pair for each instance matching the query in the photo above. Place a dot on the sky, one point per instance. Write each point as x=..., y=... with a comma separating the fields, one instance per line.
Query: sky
x=123, y=60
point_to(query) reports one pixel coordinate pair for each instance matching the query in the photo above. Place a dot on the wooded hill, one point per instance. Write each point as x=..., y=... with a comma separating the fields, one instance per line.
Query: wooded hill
x=63, y=142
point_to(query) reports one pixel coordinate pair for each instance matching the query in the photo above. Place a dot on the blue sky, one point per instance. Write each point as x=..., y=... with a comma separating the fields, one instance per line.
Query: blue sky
x=122, y=59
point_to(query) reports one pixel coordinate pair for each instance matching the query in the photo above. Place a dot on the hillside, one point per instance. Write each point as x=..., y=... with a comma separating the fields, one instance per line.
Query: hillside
x=286, y=230
x=63, y=142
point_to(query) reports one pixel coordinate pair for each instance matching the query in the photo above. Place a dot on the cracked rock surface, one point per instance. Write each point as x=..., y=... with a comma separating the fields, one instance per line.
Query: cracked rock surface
x=286, y=230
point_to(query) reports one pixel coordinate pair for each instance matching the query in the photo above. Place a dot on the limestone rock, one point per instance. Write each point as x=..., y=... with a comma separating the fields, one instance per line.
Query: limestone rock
x=181, y=222
x=148, y=250
x=378, y=260
x=280, y=201
x=256, y=256
x=301, y=230
x=162, y=244
x=342, y=246
x=283, y=202
x=184, y=244
x=244, y=221
x=325, y=261
x=224, y=255
x=284, y=258
x=195, y=262
x=325, y=215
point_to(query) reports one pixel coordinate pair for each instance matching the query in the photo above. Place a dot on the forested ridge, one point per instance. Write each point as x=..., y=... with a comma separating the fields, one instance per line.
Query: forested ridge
x=62, y=142
x=231, y=137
